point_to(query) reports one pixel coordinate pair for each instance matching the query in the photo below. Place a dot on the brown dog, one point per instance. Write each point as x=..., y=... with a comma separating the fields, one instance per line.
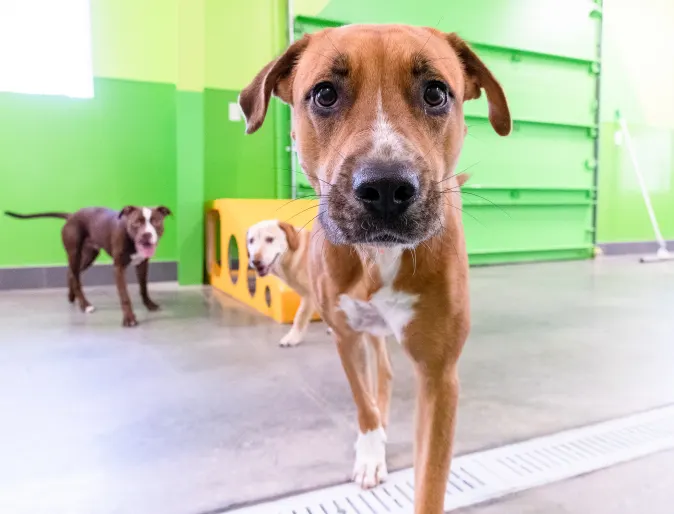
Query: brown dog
x=378, y=119
x=129, y=236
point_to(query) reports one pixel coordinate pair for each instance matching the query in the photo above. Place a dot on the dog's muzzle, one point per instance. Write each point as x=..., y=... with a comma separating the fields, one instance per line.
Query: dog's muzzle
x=385, y=193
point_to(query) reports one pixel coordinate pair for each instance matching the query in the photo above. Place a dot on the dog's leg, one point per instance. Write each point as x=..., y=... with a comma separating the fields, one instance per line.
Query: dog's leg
x=370, y=467
x=141, y=273
x=300, y=324
x=73, y=243
x=384, y=376
x=88, y=255
x=71, y=287
x=129, y=319
x=435, y=352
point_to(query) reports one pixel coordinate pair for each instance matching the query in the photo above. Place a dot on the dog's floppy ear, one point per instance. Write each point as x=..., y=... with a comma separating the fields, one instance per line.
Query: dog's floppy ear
x=462, y=178
x=479, y=77
x=127, y=210
x=275, y=77
x=291, y=235
x=164, y=211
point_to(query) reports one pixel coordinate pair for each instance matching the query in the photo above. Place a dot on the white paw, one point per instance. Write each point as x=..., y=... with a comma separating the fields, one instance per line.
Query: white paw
x=370, y=468
x=292, y=338
x=89, y=309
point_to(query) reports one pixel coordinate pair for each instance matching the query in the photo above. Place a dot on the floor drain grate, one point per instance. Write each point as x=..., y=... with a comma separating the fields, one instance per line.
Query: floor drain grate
x=483, y=476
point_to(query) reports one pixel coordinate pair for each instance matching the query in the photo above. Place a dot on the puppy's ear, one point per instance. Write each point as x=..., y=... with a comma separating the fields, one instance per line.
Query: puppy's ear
x=478, y=77
x=164, y=211
x=462, y=178
x=126, y=211
x=277, y=78
x=291, y=235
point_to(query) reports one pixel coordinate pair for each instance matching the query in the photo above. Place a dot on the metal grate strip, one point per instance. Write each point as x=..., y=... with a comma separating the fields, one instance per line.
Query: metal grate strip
x=483, y=476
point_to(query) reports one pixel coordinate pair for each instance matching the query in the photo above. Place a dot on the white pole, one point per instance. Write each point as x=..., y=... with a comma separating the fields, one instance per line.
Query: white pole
x=642, y=184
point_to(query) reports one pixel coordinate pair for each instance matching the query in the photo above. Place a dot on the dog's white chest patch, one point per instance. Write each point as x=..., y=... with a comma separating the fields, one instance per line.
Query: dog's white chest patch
x=136, y=259
x=388, y=311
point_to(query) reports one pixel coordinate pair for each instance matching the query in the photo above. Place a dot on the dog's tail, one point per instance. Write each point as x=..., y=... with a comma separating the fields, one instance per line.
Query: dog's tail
x=60, y=215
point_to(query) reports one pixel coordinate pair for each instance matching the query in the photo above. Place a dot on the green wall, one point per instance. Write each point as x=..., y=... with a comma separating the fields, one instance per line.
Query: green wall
x=531, y=195
x=241, y=37
x=115, y=149
x=637, y=79
x=157, y=130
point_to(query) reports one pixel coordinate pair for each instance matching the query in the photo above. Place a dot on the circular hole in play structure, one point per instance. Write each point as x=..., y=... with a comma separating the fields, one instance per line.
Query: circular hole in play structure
x=252, y=283
x=233, y=259
x=267, y=296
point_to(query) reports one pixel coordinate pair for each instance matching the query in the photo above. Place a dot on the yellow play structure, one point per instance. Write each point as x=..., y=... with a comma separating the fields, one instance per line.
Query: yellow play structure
x=227, y=221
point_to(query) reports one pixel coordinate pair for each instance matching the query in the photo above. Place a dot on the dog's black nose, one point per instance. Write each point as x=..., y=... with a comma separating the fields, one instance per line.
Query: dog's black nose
x=384, y=190
x=256, y=263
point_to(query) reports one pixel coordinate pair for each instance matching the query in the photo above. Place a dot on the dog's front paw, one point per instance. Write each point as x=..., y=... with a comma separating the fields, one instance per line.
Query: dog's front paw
x=151, y=306
x=370, y=468
x=129, y=320
x=292, y=338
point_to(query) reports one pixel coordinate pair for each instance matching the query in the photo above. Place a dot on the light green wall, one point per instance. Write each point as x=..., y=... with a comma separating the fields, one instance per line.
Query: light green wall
x=544, y=26
x=241, y=37
x=135, y=40
x=637, y=79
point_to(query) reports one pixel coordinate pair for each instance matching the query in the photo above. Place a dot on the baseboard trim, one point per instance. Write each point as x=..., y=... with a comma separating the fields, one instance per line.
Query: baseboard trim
x=98, y=275
x=632, y=248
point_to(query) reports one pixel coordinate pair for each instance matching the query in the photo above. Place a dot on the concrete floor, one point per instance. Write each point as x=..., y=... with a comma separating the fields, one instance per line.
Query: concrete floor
x=197, y=409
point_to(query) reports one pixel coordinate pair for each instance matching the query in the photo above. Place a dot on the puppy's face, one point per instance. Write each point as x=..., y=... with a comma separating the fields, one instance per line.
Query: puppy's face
x=266, y=242
x=378, y=118
x=145, y=226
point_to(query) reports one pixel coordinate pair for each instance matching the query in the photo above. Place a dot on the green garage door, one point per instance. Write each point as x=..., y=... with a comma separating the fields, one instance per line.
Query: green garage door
x=531, y=195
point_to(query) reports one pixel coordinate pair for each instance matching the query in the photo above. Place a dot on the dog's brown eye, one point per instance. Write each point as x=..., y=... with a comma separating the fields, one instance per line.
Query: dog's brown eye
x=325, y=95
x=270, y=240
x=435, y=94
x=251, y=240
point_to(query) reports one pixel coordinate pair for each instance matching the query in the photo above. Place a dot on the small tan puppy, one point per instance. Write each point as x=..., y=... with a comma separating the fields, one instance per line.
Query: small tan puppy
x=278, y=248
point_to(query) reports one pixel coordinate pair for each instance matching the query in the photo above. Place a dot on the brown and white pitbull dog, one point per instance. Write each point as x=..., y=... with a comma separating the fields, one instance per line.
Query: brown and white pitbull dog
x=378, y=120
x=129, y=236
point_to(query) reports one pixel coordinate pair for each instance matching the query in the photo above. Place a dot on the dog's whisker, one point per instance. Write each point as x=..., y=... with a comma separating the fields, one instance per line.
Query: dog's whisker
x=332, y=43
x=306, y=197
x=312, y=219
x=300, y=172
x=449, y=237
x=459, y=172
x=462, y=192
x=450, y=204
x=303, y=211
